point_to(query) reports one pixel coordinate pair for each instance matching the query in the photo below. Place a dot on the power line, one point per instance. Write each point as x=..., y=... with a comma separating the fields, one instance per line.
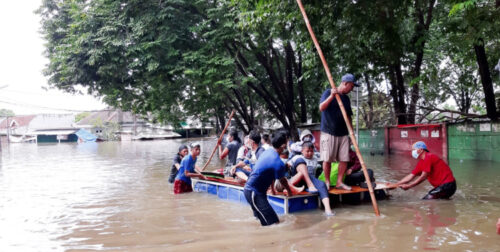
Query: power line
x=33, y=93
x=43, y=107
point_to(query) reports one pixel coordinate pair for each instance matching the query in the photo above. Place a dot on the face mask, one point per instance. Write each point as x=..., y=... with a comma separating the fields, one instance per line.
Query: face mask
x=414, y=154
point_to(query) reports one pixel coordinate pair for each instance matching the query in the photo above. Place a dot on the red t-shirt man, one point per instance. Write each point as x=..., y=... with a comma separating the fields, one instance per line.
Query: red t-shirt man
x=432, y=168
x=438, y=171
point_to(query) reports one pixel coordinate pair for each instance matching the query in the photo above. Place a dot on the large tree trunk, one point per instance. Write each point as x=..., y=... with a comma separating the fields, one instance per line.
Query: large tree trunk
x=484, y=72
x=421, y=29
x=300, y=90
x=398, y=93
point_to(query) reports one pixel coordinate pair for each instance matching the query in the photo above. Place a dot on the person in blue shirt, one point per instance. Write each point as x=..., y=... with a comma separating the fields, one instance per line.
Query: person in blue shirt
x=187, y=170
x=268, y=168
x=334, y=145
x=303, y=168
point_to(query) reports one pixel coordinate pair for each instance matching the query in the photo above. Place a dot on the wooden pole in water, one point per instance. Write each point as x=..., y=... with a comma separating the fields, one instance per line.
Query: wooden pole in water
x=220, y=139
x=342, y=108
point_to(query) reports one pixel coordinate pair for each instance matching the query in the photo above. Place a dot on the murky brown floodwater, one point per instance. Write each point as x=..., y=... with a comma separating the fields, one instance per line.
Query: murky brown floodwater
x=115, y=196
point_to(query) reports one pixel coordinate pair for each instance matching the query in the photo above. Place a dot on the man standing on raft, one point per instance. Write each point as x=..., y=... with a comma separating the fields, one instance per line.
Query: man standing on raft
x=432, y=168
x=334, y=146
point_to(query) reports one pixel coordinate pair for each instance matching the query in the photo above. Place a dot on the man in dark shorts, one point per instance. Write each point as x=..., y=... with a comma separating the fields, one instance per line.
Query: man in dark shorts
x=432, y=168
x=334, y=145
x=268, y=168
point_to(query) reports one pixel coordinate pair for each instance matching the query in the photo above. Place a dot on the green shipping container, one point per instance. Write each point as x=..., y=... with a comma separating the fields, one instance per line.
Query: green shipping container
x=372, y=141
x=474, y=141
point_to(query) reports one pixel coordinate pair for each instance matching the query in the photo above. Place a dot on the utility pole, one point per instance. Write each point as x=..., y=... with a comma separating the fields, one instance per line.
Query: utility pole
x=8, y=130
x=357, y=114
x=1, y=87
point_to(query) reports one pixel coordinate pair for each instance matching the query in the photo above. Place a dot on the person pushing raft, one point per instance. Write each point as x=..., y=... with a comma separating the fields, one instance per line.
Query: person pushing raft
x=268, y=168
x=187, y=170
x=432, y=168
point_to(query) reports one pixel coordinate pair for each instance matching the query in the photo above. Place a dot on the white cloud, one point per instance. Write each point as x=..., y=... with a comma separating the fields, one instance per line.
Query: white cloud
x=22, y=62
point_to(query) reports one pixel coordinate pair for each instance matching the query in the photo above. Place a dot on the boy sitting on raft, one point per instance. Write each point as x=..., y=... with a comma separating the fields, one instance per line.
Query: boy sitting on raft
x=302, y=168
x=268, y=168
x=187, y=170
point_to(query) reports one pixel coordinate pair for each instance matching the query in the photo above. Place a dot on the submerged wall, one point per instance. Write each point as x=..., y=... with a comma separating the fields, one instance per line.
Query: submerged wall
x=400, y=139
x=372, y=141
x=467, y=140
x=474, y=141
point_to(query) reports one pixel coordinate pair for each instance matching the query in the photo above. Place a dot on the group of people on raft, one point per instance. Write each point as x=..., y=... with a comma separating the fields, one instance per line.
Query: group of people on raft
x=268, y=164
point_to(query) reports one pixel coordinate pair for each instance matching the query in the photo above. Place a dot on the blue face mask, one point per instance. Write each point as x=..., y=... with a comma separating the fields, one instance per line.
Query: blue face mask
x=414, y=154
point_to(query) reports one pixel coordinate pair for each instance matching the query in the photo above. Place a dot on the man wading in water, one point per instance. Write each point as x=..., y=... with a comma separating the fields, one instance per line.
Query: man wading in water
x=268, y=168
x=432, y=168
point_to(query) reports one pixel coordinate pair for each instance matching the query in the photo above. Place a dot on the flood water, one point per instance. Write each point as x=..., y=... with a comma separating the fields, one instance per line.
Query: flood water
x=115, y=196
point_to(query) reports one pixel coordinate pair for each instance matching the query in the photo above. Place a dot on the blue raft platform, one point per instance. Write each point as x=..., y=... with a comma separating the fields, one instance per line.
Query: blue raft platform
x=228, y=189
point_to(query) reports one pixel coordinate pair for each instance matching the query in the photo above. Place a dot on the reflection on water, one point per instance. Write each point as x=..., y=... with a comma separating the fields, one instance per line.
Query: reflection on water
x=115, y=196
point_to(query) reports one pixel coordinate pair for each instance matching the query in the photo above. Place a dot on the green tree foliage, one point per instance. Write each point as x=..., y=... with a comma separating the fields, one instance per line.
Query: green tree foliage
x=6, y=112
x=171, y=58
x=80, y=116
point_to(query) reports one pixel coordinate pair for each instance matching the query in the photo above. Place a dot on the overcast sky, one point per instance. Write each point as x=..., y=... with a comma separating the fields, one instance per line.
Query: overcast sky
x=22, y=62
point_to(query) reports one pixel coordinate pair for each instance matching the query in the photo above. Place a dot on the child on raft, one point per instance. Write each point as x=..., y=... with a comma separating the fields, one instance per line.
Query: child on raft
x=302, y=168
x=187, y=170
x=183, y=151
x=305, y=136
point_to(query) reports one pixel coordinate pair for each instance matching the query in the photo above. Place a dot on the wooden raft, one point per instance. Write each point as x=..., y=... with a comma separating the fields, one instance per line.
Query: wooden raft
x=357, y=189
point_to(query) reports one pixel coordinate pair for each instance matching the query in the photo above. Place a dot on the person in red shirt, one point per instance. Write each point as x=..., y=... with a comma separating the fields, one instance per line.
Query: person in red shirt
x=432, y=168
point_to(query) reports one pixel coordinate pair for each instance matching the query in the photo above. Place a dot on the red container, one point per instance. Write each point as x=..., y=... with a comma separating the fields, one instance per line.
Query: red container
x=400, y=139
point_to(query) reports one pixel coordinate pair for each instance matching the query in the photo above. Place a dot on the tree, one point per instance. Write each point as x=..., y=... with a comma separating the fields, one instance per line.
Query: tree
x=478, y=26
x=6, y=112
x=80, y=116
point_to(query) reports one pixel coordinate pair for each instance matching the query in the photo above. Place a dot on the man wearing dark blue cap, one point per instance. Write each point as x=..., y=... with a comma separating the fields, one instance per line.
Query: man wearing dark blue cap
x=334, y=146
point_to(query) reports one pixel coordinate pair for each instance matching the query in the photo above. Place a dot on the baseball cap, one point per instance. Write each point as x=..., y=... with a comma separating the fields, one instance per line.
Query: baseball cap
x=350, y=78
x=419, y=145
x=194, y=144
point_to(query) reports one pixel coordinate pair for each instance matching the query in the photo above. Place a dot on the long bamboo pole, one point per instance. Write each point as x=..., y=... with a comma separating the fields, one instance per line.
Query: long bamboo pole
x=342, y=108
x=219, y=140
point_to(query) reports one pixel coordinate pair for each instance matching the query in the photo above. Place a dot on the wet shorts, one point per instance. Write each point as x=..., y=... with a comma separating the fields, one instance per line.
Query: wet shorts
x=261, y=208
x=334, y=148
x=182, y=187
x=444, y=191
